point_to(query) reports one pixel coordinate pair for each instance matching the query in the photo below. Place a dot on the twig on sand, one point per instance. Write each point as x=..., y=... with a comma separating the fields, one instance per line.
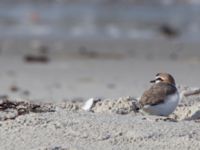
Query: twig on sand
x=191, y=92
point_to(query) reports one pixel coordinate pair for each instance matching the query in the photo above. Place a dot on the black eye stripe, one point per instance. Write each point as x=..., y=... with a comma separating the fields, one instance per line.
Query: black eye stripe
x=157, y=74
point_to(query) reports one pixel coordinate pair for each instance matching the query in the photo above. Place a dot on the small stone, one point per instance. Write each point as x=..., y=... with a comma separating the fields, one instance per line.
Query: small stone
x=57, y=125
x=105, y=137
x=14, y=88
x=26, y=93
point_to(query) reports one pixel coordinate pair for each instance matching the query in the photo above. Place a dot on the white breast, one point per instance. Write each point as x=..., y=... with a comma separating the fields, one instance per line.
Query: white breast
x=166, y=108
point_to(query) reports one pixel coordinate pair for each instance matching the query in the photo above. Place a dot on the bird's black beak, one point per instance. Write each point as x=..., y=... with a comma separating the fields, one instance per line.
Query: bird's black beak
x=152, y=81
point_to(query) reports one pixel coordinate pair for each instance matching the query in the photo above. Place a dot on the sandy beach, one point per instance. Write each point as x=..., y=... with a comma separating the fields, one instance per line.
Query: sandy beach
x=57, y=56
x=112, y=124
x=43, y=108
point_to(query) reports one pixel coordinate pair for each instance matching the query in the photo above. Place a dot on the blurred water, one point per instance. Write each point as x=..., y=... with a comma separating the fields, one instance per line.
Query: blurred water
x=96, y=20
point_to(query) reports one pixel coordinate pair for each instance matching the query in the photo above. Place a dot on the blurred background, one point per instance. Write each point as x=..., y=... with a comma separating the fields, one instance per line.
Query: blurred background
x=73, y=49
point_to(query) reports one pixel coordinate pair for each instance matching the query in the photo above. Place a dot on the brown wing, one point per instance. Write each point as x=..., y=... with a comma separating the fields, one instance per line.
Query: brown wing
x=156, y=94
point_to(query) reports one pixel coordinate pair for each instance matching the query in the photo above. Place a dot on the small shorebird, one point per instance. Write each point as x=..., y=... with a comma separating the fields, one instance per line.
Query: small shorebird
x=162, y=98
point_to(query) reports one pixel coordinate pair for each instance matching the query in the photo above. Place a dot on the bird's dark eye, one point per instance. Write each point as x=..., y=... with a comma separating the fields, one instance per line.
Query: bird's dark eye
x=159, y=79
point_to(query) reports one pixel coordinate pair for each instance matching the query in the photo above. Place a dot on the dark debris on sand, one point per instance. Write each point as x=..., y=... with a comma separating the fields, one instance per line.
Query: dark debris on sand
x=11, y=109
x=33, y=58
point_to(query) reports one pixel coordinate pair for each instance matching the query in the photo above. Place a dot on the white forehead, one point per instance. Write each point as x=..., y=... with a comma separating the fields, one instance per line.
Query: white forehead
x=157, y=81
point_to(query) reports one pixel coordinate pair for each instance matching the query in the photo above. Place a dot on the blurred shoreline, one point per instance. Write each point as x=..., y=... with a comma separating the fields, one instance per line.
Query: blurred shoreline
x=99, y=20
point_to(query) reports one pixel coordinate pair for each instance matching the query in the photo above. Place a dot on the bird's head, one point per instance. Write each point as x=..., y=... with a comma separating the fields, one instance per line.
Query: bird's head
x=163, y=77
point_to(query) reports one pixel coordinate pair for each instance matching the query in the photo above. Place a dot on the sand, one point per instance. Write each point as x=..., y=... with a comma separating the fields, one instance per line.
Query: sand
x=83, y=78
x=111, y=124
x=41, y=105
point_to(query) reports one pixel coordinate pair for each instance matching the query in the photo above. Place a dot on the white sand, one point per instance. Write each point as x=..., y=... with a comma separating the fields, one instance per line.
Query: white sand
x=112, y=124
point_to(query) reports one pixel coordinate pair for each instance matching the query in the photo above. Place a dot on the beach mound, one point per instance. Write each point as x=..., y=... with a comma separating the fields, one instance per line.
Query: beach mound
x=188, y=108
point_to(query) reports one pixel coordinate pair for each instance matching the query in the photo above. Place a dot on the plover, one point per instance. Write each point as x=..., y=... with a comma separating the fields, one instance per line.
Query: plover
x=162, y=98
